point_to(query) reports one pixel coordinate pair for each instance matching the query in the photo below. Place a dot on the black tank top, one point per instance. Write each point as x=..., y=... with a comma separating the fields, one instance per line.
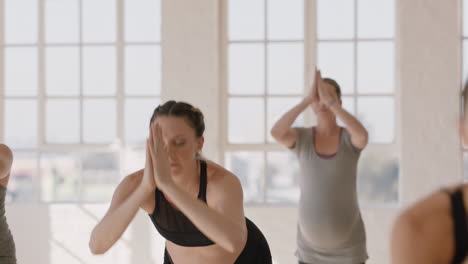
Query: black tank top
x=460, y=226
x=173, y=225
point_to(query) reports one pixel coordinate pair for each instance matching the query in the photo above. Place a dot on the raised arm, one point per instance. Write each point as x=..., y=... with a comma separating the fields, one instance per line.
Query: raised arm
x=282, y=130
x=130, y=195
x=328, y=97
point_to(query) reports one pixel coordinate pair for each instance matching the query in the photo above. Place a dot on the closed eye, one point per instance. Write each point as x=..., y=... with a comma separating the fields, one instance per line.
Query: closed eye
x=179, y=142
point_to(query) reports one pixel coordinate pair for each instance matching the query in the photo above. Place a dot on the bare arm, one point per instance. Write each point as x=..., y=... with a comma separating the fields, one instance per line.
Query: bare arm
x=327, y=94
x=129, y=196
x=359, y=135
x=282, y=130
x=125, y=204
x=225, y=223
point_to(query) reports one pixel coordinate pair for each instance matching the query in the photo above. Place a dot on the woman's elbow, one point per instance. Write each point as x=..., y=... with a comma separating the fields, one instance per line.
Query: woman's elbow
x=237, y=244
x=95, y=246
x=276, y=134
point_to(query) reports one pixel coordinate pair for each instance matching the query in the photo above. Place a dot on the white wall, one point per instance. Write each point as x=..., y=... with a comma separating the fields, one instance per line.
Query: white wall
x=429, y=53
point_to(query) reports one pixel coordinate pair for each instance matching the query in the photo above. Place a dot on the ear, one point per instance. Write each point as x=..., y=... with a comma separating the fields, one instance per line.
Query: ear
x=201, y=141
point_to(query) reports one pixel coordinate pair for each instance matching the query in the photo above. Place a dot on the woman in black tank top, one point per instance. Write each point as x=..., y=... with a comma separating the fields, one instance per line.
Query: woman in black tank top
x=196, y=205
x=434, y=230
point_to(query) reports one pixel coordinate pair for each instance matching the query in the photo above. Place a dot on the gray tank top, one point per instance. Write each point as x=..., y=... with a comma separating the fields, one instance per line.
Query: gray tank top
x=7, y=245
x=330, y=227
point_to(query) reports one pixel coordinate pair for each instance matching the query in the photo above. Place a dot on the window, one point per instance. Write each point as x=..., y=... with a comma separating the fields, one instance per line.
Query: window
x=270, y=46
x=265, y=76
x=80, y=81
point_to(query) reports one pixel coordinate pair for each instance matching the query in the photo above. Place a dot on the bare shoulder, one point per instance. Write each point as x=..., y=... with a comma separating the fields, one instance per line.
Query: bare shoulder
x=432, y=210
x=218, y=175
x=224, y=192
x=222, y=182
x=427, y=225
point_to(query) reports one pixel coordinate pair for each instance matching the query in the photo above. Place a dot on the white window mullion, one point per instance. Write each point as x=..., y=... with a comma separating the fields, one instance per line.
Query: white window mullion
x=40, y=99
x=120, y=95
x=355, y=59
x=80, y=97
x=310, y=51
x=2, y=72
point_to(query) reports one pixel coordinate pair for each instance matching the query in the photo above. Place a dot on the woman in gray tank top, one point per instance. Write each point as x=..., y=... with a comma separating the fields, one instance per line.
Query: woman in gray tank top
x=7, y=245
x=330, y=229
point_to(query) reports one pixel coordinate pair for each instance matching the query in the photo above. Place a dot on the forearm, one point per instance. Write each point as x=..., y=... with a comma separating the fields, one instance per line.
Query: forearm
x=113, y=225
x=352, y=124
x=225, y=232
x=285, y=122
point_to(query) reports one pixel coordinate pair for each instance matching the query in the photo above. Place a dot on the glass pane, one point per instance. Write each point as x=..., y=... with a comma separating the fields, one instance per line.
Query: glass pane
x=465, y=18
x=246, y=19
x=246, y=120
x=21, y=123
x=138, y=113
x=157, y=245
x=249, y=168
x=134, y=160
x=99, y=71
x=378, y=116
x=60, y=176
x=285, y=68
x=23, y=178
x=98, y=20
x=285, y=19
x=277, y=107
x=378, y=173
x=62, y=121
x=62, y=71
x=336, y=61
x=143, y=70
x=101, y=175
x=465, y=61
x=246, y=69
x=99, y=121
x=21, y=73
x=376, y=18
x=282, y=178
x=21, y=22
x=142, y=20
x=376, y=67
x=335, y=19
x=62, y=21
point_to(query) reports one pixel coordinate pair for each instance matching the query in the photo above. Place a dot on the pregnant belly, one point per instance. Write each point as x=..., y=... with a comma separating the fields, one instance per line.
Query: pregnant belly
x=328, y=229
